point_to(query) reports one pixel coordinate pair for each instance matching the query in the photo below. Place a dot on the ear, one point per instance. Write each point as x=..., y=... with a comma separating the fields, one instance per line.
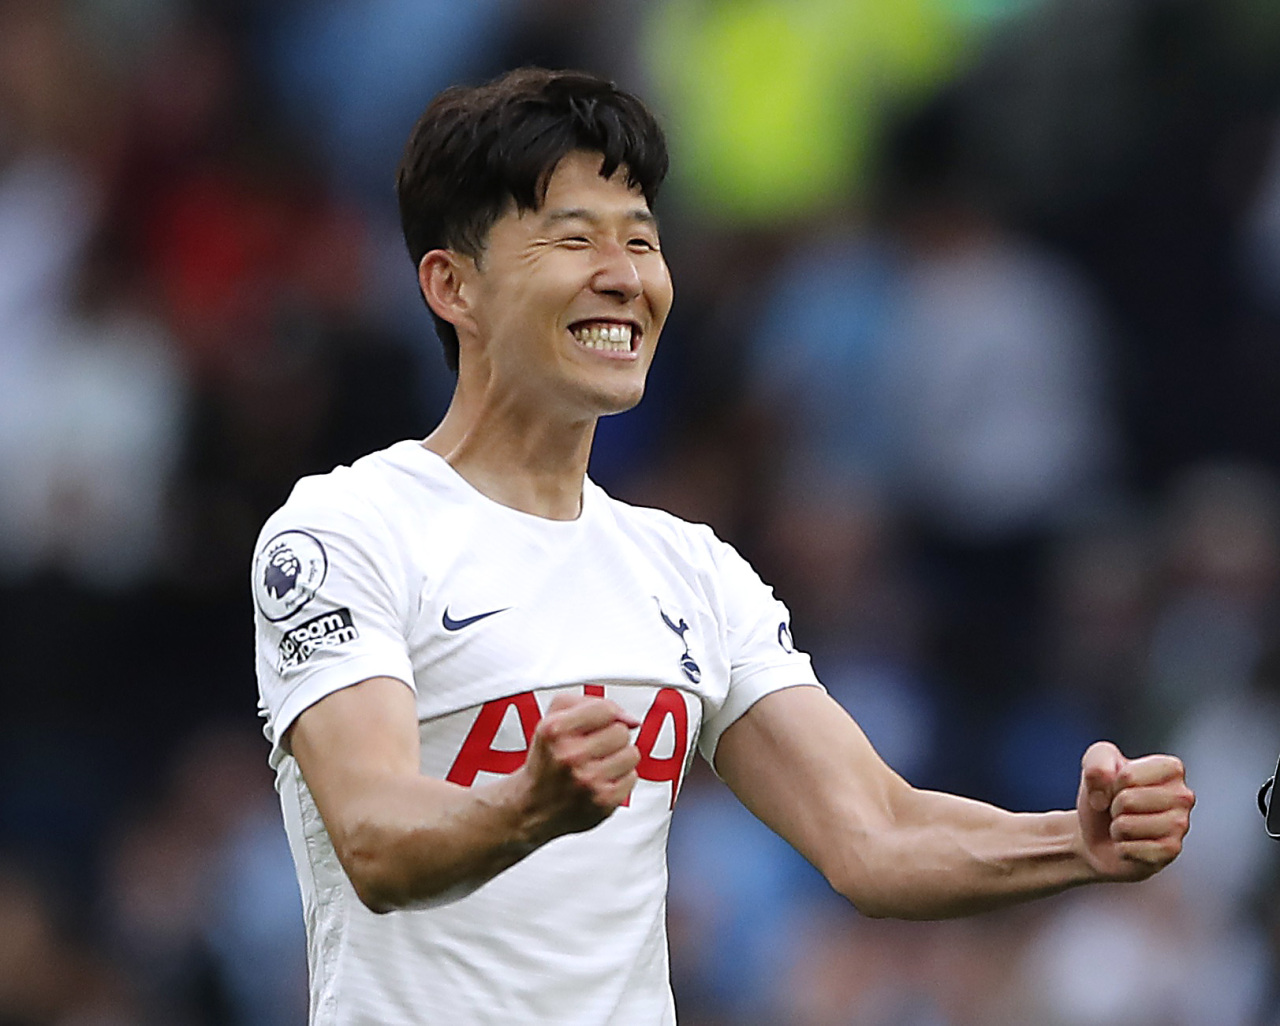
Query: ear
x=443, y=277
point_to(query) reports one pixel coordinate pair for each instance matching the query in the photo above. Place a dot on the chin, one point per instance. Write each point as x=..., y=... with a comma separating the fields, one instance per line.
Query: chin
x=605, y=398
x=620, y=402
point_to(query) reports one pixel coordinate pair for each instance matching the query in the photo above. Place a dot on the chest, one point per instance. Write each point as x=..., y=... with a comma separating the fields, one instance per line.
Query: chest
x=497, y=614
x=502, y=627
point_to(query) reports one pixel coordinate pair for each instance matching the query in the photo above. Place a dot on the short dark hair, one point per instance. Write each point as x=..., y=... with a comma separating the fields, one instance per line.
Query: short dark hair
x=475, y=150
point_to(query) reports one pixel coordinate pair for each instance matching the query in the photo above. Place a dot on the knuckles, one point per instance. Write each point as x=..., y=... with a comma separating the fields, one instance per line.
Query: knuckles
x=1152, y=770
x=1165, y=829
x=1157, y=853
x=1148, y=798
x=593, y=774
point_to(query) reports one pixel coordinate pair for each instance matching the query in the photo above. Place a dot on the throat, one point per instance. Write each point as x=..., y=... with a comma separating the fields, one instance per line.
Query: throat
x=530, y=455
x=533, y=469
x=551, y=497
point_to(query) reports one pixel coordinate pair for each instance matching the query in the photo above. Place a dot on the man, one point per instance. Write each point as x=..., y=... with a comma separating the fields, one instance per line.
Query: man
x=484, y=678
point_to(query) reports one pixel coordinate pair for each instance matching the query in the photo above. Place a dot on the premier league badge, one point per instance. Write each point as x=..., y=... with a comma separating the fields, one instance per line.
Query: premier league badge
x=287, y=573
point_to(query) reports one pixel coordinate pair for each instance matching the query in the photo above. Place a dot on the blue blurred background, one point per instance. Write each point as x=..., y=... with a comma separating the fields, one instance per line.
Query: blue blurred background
x=975, y=354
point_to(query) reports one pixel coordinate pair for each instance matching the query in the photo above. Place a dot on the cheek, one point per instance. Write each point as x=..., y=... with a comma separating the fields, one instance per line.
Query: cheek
x=523, y=307
x=661, y=295
x=550, y=296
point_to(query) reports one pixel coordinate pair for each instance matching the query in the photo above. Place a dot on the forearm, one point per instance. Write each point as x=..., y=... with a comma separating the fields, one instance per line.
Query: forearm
x=406, y=839
x=804, y=767
x=419, y=841
x=940, y=855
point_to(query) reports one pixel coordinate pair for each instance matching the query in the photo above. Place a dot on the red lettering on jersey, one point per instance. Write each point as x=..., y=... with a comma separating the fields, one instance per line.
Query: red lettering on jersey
x=667, y=702
x=477, y=752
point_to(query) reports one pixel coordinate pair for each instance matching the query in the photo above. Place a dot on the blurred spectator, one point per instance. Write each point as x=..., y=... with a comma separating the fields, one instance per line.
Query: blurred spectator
x=884, y=973
x=201, y=899
x=1220, y=587
x=46, y=978
x=47, y=212
x=998, y=375
x=1212, y=694
x=1089, y=662
x=834, y=555
x=90, y=398
x=1100, y=580
x=999, y=381
x=955, y=370
x=350, y=78
x=738, y=896
x=775, y=106
x=1260, y=232
x=356, y=74
x=89, y=438
x=1127, y=133
x=819, y=360
x=1108, y=958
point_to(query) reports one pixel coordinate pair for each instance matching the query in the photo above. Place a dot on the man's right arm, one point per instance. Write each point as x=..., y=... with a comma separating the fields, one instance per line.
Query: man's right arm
x=406, y=839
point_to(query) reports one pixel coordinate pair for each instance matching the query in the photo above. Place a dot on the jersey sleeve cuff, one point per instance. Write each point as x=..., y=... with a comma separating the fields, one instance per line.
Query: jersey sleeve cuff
x=317, y=686
x=745, y=693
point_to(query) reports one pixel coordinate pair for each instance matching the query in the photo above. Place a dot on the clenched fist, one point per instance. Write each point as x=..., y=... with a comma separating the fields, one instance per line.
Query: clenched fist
x=1133, y=813
x=581, y=764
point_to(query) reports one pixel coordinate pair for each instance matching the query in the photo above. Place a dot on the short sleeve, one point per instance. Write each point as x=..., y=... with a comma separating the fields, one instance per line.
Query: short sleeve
x=331, y=606
x=757, y=634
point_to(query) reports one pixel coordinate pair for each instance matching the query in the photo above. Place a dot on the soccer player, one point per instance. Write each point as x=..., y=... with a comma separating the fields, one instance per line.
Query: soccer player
x=484, y=679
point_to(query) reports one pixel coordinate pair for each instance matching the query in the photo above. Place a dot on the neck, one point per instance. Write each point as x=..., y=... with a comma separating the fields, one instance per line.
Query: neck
x=526, y=463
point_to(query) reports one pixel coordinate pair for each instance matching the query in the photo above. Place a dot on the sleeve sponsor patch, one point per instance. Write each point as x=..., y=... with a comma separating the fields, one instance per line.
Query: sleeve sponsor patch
x=327, y=630
x=287, y=572
x=784, y=637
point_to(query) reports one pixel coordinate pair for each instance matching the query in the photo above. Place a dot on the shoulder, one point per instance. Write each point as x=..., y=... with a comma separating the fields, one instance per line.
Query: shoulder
x=360, y=514
x=694, y=549
x=341, y=500
x=657, y=526
x=368, y=497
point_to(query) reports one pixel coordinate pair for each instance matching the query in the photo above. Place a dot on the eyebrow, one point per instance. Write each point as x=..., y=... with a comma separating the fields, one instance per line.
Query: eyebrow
x=639, y=214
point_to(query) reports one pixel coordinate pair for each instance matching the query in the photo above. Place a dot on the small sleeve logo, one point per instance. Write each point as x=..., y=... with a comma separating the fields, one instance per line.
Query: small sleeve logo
x=287, y=573
x=328, y=630
x=784, y=638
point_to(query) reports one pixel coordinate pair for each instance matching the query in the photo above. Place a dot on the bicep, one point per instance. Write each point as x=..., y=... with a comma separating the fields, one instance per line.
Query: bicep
x=802, y=765
x=352, y=742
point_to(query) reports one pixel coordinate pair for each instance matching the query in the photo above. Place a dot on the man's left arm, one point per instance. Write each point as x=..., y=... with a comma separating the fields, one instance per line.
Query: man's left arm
x=800, y=763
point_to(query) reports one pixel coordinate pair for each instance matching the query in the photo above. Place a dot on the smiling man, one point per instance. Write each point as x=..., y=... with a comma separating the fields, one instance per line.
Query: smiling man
x=484, y=679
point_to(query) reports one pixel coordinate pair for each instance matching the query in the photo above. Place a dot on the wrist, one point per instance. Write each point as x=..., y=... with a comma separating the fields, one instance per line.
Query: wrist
x=1089, y=869
x=519, y=817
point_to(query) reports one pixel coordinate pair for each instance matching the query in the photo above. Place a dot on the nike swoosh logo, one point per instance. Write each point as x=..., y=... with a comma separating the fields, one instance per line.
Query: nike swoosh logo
x=450, y=624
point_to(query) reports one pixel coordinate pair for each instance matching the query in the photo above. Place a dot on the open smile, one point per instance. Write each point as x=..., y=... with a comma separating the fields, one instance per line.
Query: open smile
x=607, y=337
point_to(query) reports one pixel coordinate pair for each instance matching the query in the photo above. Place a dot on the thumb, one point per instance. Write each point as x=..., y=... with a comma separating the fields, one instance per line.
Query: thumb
x=1099, y=770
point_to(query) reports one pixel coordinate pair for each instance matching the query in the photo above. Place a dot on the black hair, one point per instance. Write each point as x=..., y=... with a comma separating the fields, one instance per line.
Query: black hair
x=476, y=150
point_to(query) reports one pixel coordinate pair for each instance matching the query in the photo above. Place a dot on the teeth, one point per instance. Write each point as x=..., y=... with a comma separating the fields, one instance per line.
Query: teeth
x=612, y=337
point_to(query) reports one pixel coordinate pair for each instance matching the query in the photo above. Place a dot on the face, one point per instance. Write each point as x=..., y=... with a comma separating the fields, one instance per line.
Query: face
x=567, y=301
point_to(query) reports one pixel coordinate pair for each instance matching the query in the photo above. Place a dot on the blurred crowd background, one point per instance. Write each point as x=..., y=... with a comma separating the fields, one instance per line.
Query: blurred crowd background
x=975, y=354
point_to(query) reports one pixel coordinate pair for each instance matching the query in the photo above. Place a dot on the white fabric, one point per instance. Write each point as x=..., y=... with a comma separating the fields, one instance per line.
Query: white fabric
x=374, y=559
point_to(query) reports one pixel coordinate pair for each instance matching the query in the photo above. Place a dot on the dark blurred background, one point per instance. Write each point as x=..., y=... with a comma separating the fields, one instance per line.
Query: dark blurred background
x=975, y=354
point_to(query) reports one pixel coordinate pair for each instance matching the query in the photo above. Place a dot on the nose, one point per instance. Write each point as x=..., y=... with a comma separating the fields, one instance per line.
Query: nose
x=617, y=274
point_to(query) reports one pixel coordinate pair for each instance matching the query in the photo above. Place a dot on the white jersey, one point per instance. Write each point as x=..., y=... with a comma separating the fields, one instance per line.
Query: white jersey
x=397, y=567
